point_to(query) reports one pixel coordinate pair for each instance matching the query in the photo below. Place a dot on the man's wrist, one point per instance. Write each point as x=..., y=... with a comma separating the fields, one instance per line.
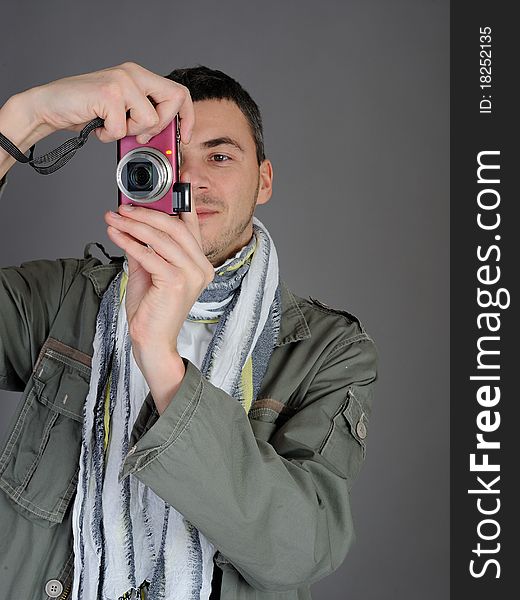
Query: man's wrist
x=164, y=379
x=20, y=122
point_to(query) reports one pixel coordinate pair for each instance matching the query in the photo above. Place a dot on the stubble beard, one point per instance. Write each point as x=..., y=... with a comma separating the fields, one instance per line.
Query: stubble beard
x=219, y=249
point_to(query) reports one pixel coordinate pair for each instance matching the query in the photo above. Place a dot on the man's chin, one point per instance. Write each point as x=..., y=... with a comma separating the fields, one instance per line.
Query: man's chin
x=212, y=253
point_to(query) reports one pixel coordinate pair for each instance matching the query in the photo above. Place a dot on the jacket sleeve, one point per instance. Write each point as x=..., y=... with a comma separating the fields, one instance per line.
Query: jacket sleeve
x=30, y=296
x=279, y=512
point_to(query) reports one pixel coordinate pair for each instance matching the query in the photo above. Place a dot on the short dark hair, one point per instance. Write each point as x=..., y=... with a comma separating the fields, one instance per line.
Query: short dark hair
x=209, y=84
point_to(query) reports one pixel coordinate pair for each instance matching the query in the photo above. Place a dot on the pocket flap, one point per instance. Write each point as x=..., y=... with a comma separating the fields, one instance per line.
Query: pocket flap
x=357, y=419
x=62, y=384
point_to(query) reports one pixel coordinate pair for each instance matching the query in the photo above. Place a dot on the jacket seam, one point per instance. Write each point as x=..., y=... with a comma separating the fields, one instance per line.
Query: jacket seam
x=342, y=406
x=303, y=322
x=75, y=354
x=351, y=415
x=65, y=573
x=34, y=465
x=351, y=340
x=17, y=493
x=301, y=330
x=67, y=285
x=332, y=567
x=272, y=404
x=59, y=410
x=28, y=505
x=17, y=430
x=92, y=272
x=333, y=311
x=66, y=360
x=67, y=495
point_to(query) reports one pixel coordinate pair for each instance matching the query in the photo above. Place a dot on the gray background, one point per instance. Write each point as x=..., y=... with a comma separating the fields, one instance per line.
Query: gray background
x=355, y=100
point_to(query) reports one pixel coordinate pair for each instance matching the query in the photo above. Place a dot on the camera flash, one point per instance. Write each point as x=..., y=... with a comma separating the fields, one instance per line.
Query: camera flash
x=168, y=152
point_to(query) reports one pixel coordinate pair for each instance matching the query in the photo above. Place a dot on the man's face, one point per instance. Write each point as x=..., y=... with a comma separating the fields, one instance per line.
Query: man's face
x=226, y=180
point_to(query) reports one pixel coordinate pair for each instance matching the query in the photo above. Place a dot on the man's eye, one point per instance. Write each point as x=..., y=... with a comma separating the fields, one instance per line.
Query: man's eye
x=220, y=157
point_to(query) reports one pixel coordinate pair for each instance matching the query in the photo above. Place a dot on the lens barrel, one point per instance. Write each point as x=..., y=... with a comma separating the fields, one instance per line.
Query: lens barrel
x=144, y=175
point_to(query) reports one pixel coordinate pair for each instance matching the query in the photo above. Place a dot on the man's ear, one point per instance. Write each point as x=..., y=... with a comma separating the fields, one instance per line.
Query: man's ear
x=265, y=189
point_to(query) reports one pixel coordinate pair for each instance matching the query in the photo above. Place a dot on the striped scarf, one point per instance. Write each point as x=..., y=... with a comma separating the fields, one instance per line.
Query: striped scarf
x=128, y=542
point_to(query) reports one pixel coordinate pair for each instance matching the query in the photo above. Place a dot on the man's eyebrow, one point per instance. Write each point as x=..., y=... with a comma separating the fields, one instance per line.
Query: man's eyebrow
x=220, y=141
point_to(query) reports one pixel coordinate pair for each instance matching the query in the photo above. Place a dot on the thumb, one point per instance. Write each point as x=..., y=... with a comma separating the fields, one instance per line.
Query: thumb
x=192, y=220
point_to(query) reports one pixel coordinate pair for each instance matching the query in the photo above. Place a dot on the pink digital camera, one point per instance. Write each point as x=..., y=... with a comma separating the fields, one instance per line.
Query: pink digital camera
x=148, y=174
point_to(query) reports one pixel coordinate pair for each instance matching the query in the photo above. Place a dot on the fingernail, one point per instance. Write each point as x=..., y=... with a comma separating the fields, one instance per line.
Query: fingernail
x=114, y=214
x=126, y=207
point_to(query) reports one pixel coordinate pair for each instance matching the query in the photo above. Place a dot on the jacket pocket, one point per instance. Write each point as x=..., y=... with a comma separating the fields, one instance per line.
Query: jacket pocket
x=40, y=463
x=267, y=415
x=345, y=443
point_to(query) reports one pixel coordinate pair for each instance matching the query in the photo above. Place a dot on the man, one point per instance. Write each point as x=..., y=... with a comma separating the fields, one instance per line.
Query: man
x=212, y=427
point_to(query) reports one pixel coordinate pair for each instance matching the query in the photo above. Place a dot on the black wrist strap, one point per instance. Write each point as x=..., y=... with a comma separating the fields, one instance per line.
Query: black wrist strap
x=54, y=160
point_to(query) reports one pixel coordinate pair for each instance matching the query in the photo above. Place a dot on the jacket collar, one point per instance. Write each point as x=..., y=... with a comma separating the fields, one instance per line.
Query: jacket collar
x=293, y=325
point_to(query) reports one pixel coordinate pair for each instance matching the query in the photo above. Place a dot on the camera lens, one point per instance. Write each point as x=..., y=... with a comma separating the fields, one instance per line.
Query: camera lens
x=144, y=175
x=140, y=177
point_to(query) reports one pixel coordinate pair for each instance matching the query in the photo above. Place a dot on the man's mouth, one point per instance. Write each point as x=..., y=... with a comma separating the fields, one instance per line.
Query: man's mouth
x=202, y=211
x=205, y=213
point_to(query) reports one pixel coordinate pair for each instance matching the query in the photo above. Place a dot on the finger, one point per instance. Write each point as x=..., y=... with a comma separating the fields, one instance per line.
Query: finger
x=165, y=110
x=164, y=118
x=114, y=127
x=143, y=120
x=187, y=118
x=172, y=98
x=139, y=280
x=159, y=240
x=146, y=256
x=160, y=222
x=191, y=221
x=134, y=266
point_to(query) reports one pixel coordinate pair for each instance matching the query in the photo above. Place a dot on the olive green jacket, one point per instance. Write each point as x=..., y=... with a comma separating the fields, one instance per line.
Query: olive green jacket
x=270, y=489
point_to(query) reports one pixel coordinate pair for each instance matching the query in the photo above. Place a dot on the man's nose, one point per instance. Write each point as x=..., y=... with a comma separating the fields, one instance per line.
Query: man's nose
x=191, y=170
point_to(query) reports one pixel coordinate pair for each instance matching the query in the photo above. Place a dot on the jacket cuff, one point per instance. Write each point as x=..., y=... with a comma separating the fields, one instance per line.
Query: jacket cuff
x=170, y=425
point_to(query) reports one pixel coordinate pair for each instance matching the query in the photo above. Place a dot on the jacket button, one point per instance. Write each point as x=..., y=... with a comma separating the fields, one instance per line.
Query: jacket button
x=361, y=429
x=53, y=588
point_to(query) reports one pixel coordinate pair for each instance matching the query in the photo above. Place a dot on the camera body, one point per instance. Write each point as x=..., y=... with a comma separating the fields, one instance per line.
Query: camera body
x=148, y=174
